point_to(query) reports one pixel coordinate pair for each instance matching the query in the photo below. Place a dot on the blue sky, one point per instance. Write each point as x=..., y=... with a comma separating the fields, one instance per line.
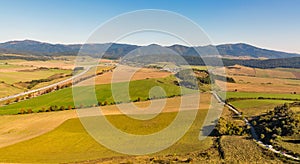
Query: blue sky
x=270, y=24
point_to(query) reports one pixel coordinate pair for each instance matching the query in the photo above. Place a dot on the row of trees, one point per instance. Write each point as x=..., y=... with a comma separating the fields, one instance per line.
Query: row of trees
x=49, y=109
x=104, y=103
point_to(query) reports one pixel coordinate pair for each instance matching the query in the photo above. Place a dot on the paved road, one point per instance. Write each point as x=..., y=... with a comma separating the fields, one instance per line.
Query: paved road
x=254, y=135
x=46, y=87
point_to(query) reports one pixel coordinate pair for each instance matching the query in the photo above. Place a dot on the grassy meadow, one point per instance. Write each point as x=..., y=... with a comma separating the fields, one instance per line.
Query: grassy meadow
x=137, y=89
x=255, y=107
x=70, y=142
x=264, y=95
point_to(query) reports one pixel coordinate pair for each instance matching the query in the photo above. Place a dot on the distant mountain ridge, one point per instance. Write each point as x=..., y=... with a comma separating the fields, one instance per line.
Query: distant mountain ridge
x=115, y=50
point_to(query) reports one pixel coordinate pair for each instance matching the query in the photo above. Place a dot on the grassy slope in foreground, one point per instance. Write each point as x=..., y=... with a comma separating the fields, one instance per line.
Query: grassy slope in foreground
x=239, y=148
x=70, y=142
x=64, y=97
x=290, y=143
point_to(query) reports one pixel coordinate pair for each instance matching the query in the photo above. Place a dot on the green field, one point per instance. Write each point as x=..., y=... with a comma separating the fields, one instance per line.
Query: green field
x=255, y=107
x=70, y=142
x=264, y=95
x=137, y=89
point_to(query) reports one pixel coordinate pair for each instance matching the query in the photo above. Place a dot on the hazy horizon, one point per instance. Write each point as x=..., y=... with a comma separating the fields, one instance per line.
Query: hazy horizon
x=164, y=45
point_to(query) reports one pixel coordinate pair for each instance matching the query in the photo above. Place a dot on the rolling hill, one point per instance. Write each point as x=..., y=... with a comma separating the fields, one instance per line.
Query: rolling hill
x=115, y=50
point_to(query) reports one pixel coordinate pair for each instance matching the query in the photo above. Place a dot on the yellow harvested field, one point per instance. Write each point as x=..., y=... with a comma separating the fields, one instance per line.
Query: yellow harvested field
x=273, y=73
x=17, y=69
x=17, y=128
x=49, y=64
x=171, y=105
x=238, y=70
x=6, y=90
x=126, y=73
x=260, y=80
x=106, y=61
x=259, y=84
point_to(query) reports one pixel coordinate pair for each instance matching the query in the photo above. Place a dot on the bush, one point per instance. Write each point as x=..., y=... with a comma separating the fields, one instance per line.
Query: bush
x=53, y=108
x=99, y=103
x=227, y=127
x=29, y=111
x=137, y=100
x=105, y=103
x=41, y=110
x=7, y=102
x=62, y=108
x=22, y=111
x=17, y=99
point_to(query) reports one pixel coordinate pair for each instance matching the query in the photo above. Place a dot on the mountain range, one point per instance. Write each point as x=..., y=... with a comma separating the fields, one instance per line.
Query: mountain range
x=115, y=50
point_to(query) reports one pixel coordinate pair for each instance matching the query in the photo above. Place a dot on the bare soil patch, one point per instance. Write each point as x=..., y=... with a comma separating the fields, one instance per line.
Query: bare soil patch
x=297, y=75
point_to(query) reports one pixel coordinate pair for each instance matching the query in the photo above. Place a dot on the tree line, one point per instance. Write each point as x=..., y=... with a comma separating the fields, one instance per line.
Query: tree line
x=52, y=108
